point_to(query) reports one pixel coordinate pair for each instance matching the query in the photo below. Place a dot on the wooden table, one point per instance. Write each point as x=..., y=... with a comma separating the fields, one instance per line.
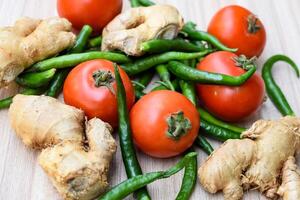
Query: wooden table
x=22, y=178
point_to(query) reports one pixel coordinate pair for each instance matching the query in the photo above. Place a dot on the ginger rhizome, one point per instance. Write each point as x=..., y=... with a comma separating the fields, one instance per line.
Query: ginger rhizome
x=255, y=161
x=128, y=30
x=77, y=168
x=29, y=41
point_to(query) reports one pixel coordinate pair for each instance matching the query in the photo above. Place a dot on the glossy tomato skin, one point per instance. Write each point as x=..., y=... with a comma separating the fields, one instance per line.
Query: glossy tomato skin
x=230, y=103
x=97, y=13
x=80, y=91
x=230, y=26
x=148, y=121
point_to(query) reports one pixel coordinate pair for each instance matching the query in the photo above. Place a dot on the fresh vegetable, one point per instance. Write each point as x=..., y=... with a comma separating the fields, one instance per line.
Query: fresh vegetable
x=119, y=34
x=36, y=79
x=135, y=3
x=29, y=41
x=95, y=42
x=130, y=161
x=5, y=103
x=290, y=187
x=253, y=162
x=82, y=39
x=143, y=64
x=204, y=144
x=96, y=82
x=127, y=187
x=209, y=77
x=141, y=83
x=164, y=123
x=146, y=3
x=175, y=84
x=160, y=46
x=72, y=60
x=190, y=30
x=77, y=171
x=273, y=90
x=57, y=82
x=237, y=27
x=231, y=103
x=96, y=13
x=165, y=76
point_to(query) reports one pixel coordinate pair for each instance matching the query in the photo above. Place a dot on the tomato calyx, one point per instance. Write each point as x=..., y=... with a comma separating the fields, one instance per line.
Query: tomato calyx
x=253, y=27
x=243, y=62
x=178, y=125
x=104, y=78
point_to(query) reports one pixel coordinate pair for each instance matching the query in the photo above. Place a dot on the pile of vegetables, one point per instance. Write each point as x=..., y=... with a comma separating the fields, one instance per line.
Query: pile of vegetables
x=205, y=77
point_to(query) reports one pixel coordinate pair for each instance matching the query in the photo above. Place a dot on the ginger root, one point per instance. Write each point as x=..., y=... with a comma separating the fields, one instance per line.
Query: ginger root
x=29, y=41
x=129, y=29
x=236, y=166
x=290, y=187
x=78, y=169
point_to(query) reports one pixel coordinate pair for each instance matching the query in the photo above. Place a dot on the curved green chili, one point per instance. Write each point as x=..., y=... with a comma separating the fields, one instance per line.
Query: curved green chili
x=82, y=39
x=71, y=60
x=190, y=29
x=130, y=160
x=187, y=73
x=95, y=42
x=56, y=84
x=5, y=103
x=125, y=188
x=135, y=3
x=141, y=83
x=212, y=120
x=35, y=79
x=204, y=144
x=146, y=2
x=273, y=90
x=164, y=76
x=161, y=45
x=143, y=64
x=162, y=87
x=217, y=132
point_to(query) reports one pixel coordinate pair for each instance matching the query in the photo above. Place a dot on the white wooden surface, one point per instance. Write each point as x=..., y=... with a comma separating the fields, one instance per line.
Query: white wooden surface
x=22, y=178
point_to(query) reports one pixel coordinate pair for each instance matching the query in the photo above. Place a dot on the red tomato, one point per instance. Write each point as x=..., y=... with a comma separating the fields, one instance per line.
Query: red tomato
x=231, y=26
x=149, y=121
x=230, y=103
x=81, y=92
x=96, y=13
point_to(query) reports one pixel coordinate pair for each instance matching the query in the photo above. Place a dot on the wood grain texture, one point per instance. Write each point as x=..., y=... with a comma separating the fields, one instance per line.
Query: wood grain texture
x=22, y=178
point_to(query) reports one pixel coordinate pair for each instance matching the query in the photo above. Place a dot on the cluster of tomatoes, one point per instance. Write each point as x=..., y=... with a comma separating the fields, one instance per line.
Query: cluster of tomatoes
x=234, y=26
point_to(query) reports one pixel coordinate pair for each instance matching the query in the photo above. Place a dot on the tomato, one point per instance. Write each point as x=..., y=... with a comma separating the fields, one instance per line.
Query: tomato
x=230, y=103
x=155, y=114
x=96, y=13
x=230, y=25
x=80, y=90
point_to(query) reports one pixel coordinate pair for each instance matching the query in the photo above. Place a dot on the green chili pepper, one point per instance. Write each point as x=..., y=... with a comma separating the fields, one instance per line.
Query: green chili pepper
x=204, y=144
x=164, y=76
x=35, y=79
x=160, y=46
x=56, y=84
x=190, y=29
x=218, y=132
x=162, y=87
x=82, y=39
x=143, y=64
x=212, y=120
x=127, y=187
x=135, y=3
x=130, y=161
x=95, y=42
x=71, y=60
x=5, y=103
x=187, y=73
x=146, y=3
x=273, y=90
x=141, y=83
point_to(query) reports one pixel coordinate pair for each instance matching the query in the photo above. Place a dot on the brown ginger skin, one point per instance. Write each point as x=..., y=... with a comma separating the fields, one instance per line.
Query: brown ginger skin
x=274, y=142
x=29, y=41
x=129, y=29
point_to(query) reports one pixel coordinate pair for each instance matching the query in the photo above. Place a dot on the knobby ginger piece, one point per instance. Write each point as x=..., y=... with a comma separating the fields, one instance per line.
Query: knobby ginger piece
x=290, y=187
x=222, y=170
x=79, y=173
x=129, y=29
x=29, y=41
x=42, y=121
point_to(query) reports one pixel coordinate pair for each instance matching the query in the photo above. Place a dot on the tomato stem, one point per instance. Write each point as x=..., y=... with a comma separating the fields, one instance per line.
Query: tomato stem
x=253, y=27
x=245, y=63
x=104, y=78
x=178, y=125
